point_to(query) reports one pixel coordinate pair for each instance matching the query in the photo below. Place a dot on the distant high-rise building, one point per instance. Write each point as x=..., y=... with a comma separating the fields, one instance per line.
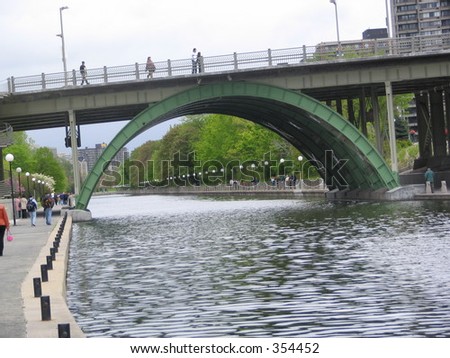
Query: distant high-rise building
x=89, y=156
x=429, y=19
x=420, y=17
x=375, y=34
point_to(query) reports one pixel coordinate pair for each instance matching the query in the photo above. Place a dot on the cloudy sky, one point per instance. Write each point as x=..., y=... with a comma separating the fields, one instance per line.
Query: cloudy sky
x=113, y=33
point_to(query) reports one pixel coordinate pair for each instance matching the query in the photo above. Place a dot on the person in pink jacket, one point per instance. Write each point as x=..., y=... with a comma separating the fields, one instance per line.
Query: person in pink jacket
x=4, y=225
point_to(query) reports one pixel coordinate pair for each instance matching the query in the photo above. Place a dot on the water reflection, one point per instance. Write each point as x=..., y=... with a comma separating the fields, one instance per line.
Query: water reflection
x=193, y=267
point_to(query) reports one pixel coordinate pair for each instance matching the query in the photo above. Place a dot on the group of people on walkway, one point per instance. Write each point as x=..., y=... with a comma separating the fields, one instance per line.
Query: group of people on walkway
x=150, y=67
x=197, y=61
x=31, y=207
x=26, y=208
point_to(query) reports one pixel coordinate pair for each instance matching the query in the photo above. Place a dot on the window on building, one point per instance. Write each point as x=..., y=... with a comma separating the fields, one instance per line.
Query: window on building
x=428, y=5
x=407, y=17
x=406, y=8
x=427, y=15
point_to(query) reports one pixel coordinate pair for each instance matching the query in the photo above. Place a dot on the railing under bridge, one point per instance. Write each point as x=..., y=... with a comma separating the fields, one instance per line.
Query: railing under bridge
x=303, y=186
x=324, y=51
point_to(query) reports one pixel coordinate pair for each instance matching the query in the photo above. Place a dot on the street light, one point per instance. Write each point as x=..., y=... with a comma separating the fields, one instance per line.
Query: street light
x=28, y=182
x=300, y=158
x=19, y=170
x=337, y=26
x=9, y=158
x=34, y=187
x=63, y=45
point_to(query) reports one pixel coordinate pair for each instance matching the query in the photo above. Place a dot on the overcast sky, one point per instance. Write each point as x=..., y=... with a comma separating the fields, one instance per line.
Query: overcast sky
x=113, y=33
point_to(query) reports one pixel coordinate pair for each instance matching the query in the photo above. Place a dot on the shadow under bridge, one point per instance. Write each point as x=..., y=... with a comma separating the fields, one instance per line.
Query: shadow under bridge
x=341, y=153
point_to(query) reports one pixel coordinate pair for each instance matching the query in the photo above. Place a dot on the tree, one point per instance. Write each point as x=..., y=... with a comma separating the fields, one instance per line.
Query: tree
x=46, y=163
x=22, y=151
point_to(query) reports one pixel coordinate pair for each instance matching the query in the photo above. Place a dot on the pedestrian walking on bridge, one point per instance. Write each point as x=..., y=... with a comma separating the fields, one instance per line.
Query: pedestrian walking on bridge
x=83, y=72
x=150, y=67
x=194, y=60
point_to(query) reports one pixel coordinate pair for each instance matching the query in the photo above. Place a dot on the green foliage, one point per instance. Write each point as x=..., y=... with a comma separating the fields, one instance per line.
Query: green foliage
x=213, y=141
x=22, y=151
x=38, y=162
x=139, y=168
x=406, y=153
x=46, y=163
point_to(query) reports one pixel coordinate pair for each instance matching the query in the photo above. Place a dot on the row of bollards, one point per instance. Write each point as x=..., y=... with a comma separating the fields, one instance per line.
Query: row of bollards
x=64, y=328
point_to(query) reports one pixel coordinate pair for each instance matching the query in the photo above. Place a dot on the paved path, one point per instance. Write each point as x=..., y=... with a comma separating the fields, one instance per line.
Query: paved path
x=20, y=311
x=18, y=257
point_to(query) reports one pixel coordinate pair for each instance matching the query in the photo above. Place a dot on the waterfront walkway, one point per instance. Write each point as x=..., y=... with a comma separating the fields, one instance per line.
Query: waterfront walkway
x=20, y=311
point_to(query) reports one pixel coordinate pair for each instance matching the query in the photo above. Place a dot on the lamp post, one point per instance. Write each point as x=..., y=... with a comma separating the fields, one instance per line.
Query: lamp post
x=300, y=158
x=27, y=174
x=19, y=170
x=63, y=45
x=9, y=158
x=34, y=187
x=388, y=19
x=337, y=26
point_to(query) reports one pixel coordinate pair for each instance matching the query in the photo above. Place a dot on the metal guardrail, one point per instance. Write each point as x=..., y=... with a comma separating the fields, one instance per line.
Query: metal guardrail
x=301, y=185
x=6, y=135
x=325, y=51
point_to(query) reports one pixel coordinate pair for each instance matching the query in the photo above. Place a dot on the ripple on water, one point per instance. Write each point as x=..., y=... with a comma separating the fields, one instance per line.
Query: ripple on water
x=188, y=267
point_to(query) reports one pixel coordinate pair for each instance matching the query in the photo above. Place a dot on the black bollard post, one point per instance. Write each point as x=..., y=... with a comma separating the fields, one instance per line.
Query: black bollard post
x=49, y=262
x=64, y=330
x=44, y=273
x=56, y=245
x=53, y=253
x=37, y=287
x=45, y=308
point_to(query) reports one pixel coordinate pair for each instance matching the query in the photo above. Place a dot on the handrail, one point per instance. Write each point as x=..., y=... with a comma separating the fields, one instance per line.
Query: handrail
x=325, y=51
x=6, y=135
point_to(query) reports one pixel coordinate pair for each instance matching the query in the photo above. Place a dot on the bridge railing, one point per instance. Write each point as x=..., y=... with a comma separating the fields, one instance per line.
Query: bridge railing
x=6, y=135
x=325, y=51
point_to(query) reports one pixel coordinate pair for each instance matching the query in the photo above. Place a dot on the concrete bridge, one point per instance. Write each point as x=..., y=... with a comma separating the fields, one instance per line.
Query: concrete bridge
x=289, y=95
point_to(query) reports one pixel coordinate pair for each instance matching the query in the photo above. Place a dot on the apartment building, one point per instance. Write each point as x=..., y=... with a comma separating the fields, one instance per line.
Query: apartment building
x=88, y=156
x=419, y=18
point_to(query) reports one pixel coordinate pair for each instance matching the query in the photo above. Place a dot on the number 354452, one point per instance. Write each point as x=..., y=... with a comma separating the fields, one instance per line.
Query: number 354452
x=302, y=348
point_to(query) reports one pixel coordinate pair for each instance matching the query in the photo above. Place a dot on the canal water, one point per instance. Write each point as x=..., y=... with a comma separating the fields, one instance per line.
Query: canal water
x=167, y=266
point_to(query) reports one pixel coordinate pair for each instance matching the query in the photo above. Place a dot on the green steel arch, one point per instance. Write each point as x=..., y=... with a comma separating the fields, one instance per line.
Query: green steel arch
x=343, y=155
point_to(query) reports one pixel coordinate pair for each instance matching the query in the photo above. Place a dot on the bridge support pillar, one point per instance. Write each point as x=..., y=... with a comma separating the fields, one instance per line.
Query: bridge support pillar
x=74, y=146
x=376, y=120
x=447, y=118
x=80, y=215
x=423, y=127
x=2, y=171
x=438, y=124
x=351, y=111
x=391, y=126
